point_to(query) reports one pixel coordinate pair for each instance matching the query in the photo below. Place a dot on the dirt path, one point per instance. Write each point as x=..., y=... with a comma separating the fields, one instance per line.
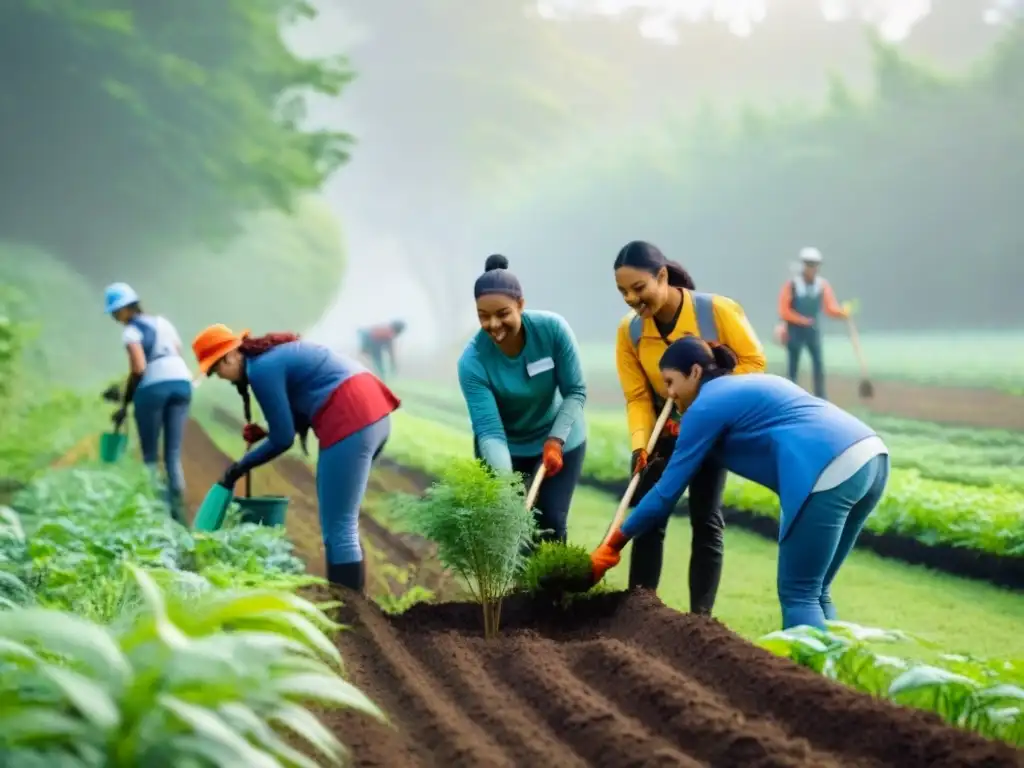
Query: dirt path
x=625, y=681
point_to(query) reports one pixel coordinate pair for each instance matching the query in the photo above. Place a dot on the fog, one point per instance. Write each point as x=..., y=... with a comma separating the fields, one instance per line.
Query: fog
x=461, y=105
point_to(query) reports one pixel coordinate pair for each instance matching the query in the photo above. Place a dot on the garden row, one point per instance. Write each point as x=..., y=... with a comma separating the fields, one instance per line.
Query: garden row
x=126, y=640
x=974, y=530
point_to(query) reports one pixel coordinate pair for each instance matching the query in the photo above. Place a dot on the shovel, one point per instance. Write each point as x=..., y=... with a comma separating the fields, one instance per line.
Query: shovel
x=538, y=478
x=586, y=581
x=866, y=389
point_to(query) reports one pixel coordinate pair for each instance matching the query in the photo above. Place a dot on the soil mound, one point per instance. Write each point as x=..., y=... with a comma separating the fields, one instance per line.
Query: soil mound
x=620, y=680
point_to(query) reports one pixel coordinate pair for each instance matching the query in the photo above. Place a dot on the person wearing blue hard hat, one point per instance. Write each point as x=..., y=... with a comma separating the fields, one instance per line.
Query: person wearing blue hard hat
x=159, y=387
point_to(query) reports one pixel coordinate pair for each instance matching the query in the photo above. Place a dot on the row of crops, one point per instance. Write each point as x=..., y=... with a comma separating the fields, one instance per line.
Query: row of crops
x=986, y=695
x=954, y=486
x=126, y=640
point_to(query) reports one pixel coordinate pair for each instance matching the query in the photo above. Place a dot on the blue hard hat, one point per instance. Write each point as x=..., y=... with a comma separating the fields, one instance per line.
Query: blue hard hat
x=118, y=296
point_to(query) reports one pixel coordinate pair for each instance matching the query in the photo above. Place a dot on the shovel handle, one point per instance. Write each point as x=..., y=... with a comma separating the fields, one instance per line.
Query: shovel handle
x=538, y=477
x=659, y=425
x=855, y=341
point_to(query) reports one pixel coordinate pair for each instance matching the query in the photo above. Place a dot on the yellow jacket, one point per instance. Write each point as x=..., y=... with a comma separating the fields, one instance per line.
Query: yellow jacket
x=638, y=365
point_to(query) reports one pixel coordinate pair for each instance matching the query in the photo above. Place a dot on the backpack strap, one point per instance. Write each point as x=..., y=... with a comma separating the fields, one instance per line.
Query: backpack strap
x=636, y=330
x=704, y=308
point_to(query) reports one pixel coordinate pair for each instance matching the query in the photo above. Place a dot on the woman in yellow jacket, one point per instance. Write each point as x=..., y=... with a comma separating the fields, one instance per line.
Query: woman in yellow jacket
x=665, y=307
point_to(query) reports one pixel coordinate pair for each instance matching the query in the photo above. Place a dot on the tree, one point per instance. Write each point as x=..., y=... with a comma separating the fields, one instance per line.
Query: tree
x=132, y=126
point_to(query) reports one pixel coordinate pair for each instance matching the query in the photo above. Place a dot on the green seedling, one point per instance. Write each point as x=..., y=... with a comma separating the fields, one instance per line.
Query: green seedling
x=481, y=527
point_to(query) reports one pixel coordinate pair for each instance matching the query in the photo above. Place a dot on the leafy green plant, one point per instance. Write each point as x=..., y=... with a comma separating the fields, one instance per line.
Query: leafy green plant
x=221, y=680
x=557, y=566
x=986, y=696
x=481, y=526
x=396, y=604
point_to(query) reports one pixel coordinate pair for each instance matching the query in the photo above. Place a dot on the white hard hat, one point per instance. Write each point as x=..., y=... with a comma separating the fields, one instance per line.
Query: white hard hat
x=810, y=256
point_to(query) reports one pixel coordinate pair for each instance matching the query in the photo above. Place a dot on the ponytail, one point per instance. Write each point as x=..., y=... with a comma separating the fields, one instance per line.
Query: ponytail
x=725, y=361
x=252, y=348
x=714, y=359
x=678, y=277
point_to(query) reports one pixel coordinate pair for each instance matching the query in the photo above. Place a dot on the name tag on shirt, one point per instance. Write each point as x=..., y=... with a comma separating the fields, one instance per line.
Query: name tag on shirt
x=539, y=366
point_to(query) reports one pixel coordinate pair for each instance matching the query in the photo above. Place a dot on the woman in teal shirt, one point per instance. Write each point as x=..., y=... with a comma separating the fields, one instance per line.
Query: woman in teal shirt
x=523, y=383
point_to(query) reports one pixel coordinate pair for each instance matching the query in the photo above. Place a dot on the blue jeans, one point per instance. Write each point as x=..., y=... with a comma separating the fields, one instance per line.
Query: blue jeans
x=163, y=407
x=555, y=495
x=799, y=338
x=342, y=473
x=820, y=539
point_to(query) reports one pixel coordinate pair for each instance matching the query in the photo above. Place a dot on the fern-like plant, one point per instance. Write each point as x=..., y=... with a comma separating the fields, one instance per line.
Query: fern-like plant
x=481, y=526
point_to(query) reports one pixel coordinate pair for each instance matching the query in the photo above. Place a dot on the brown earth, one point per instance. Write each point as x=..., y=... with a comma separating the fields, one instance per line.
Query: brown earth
x=621, y=681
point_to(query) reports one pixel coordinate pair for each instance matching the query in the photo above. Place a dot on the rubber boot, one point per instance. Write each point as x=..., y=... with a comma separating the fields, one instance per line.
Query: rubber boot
x=349, y=575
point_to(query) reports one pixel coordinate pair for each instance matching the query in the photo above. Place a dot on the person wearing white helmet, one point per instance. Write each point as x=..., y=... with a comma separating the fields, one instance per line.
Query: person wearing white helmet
x=159, y=387
x=801, y=302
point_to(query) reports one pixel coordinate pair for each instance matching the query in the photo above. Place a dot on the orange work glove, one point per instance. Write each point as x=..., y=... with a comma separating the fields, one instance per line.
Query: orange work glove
x=608, y=555
x=671, y=429
x=253, y=433
x=552, y=459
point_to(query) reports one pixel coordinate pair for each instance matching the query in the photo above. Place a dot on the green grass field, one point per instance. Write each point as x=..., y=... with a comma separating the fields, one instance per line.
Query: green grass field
x=924, y=358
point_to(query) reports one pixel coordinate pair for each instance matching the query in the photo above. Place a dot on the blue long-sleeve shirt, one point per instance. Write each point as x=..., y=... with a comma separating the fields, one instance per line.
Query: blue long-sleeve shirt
x=516, y=403
x=291, y=383
x=761, y=427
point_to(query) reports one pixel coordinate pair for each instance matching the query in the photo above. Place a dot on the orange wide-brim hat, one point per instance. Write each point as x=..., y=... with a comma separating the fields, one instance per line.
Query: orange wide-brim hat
x=213, y=343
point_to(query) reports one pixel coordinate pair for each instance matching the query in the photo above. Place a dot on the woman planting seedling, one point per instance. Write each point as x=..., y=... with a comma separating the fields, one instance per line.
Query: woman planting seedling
x=523, y=383
x=665, y=307
x=300, y=385
x=159, y=387
x=828, y=468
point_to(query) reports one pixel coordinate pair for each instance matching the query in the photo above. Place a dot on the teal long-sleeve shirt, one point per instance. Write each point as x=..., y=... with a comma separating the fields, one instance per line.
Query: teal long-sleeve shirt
x=516, y=403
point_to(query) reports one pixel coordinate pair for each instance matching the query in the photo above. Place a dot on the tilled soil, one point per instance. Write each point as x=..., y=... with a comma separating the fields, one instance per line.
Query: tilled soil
x=621, y=680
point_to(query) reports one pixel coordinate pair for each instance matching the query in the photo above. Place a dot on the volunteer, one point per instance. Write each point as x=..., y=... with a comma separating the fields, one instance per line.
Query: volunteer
x=801, y=302
x=666, y=307
x=377, y=340
x=159, y=387
x=523, y=383
x=301, y=386
x=828, y=468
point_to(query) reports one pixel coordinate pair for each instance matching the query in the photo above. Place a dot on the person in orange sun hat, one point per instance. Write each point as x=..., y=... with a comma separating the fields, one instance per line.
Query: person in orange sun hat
x=300, y=386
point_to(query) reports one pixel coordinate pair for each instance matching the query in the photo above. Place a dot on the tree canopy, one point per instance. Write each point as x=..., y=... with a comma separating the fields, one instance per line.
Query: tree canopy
x=133, y=126
x=913, y=194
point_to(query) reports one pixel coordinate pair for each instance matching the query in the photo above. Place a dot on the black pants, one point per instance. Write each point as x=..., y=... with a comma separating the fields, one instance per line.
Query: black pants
x=706, y=523
x=555, y=496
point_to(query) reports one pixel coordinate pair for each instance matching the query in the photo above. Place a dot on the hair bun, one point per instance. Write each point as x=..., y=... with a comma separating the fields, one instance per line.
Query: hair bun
x=495, y=261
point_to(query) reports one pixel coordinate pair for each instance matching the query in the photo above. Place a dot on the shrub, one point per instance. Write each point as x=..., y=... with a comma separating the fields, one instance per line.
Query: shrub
x=481, y=526
x=557, y=566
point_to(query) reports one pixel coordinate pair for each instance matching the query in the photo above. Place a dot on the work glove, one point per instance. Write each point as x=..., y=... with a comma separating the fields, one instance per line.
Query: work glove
x=671, y=428
x=639, y=461
x=847, y=307
x=552, y=459
x=253, y=433
x=112, y=394
x=118, y=416
x=608, y=555
x=231, y=476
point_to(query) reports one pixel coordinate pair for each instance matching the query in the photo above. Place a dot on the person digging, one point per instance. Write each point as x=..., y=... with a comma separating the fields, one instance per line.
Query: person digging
x=828, y=468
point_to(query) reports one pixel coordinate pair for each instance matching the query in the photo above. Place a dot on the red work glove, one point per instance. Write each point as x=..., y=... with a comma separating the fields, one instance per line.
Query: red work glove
x=608, y=555
x=671, y=429
x=552, y=459
x=253, y=433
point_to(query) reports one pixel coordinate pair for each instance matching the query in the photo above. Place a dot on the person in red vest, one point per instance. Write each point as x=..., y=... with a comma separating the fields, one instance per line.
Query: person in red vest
x=377, y=340
x=801, y=301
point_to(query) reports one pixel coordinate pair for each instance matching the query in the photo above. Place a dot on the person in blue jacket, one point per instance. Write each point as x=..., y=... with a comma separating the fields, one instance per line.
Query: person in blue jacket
x=302, y=386
x=523, y=383
x=159, y=387
x=828, y=468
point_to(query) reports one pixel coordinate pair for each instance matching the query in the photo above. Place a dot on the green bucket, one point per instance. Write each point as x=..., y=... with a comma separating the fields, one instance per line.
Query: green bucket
x=210, y=516
x=263, y=510
x=112, y=447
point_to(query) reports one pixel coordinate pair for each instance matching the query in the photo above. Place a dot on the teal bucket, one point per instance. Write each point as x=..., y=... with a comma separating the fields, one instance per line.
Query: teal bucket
x=263, y=510
x=112, y=447
x=210, y=516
